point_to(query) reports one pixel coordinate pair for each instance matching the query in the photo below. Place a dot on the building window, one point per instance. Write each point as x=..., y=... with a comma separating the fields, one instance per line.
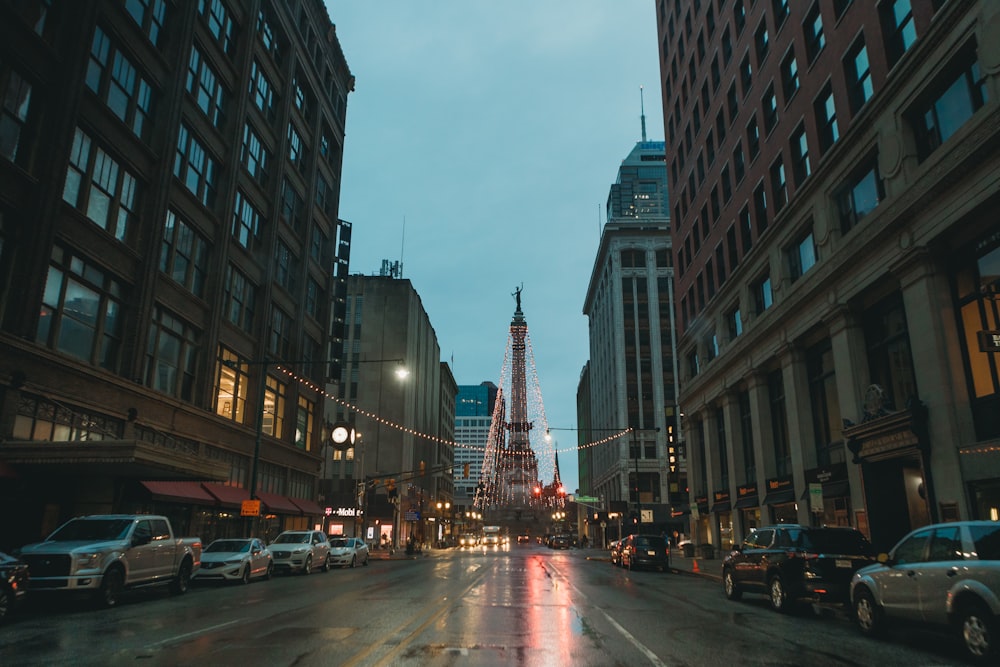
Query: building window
x=275, y=397
x=220, y=23
x=746, y=229
x=312, y=298
x=826, y=119
x=286, y=267
x=800, y=155
x=801, y=256
x=858, y=75
x=812, y=29
x=789, y=75
x=734, y=322
x=232, y=380
x=739, y=164
x=261, y=91
x=760, y=208
x=280, y=344
x=149, y=14
x=246, y=222
x=727, y=47
x=727, y=185
x=739, y=16
x=753, y=137
x=317, y=244
x=184, y=255
x=860, y=195
x=694, y=366
x=779, y=185
x=770, y=104
x=240, y=298
x=253, y=155
x=114, y=79
x=720, y=264
x=100, y=188
x=762, y=294
x=171, y=355
x=746, y=74
x=267, y=36
x=81, y=312
x=951, y=101
x=825, y=404
x=324, y=196
x=14, y=115
x=890, y=362
x=761, y=42
x=779, y=424
x=898, y=28
x=840, y=6
x=204, y=85
x=296, y=150
x=304, y=418
x=780, y=11
x=733, y=102
x=195, y=167
x=292, y=206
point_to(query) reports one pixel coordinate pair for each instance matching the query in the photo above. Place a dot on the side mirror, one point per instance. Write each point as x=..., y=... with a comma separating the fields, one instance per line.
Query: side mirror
x=884, y=559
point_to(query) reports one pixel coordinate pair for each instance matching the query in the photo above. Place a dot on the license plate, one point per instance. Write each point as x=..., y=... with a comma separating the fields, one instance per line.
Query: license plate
x=843, y=562
x=650, y=553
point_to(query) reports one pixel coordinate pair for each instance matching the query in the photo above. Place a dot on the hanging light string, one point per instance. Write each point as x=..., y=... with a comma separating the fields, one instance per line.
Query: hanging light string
x=399, y=427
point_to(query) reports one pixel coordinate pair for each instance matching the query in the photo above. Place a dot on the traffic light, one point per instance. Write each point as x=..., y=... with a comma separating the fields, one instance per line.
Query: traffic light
x=390, y=485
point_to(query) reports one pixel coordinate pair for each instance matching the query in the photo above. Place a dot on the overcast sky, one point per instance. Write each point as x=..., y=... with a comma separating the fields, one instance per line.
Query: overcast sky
x=494, y=130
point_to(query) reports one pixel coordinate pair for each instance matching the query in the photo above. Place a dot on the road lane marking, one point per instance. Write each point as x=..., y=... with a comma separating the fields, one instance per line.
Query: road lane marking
x=196, y=633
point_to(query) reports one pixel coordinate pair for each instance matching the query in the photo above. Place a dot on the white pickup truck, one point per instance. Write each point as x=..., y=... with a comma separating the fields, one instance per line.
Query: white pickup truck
x=106, y=553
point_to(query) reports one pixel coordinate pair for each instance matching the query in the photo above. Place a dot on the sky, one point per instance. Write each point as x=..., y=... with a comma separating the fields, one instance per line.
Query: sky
x=482, y=139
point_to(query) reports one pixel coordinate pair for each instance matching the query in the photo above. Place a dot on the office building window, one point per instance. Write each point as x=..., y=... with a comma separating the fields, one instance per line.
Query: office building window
x=779, y=185
x=898, y=28
x=753, y=138
x=254, y=155
x=760, y=208
x=732, y=248
x=280, y=340
x=324, y=195
x=246, y=222
x=232, y=382
x=734, y=322
x=801, y=256
x=240, y=299
x=275, y=398
x=149, y=14
x=195, y=167
x=171, y=355
x=100, y=188
x=296, y=149
x=317, y=244
x=220, y=23
x=312, y=298
x=739, y=164
x=826, y=119
x=890, y=361
x=286, y=267
x=858, y=75
x=761, y=42
x=733, y=102
x=114, y=79
x=694, y=366
x=727, y=47
x=184, y=255
x=812, y=29
x=860, y=195
x=780, y=443
x=204, y=85
x=840, y=6
x=81, y=311
x=780, y=8
x=746, y=229
x=799, y=144
x=770, y=105
x=825, y=404
x=13, y=115
x=266, y=33
x=727, y=185
x=950, y=103
x=292, y=206
x=762, y=296
x=789, y=75
x=261, y=91
x=739, y=16
x=304, y=418
x=746, y=74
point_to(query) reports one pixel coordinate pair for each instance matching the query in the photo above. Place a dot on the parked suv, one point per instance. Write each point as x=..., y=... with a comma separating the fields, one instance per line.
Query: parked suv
x=301, y=551
x=638, y=551
x=789, y=562
x=945, y=575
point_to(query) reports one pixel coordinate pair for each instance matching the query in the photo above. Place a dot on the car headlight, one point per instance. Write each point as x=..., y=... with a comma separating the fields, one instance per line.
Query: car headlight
x=87, y=561
x=234, y=561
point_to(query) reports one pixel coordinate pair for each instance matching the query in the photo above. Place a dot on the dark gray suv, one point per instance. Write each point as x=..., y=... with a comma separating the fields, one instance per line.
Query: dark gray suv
x=790, y=562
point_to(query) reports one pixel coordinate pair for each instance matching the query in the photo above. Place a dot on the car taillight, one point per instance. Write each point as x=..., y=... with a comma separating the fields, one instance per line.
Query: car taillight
x=805, y=555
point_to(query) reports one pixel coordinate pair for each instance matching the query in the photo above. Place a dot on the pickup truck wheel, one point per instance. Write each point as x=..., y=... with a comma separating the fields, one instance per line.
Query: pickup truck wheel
x=182, y=580
x=308, y=567
x=111, y=587
x=245, y=574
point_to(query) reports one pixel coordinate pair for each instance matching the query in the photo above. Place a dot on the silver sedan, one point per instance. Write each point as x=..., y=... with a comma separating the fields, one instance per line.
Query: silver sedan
x=239, y=559
x=348, y=551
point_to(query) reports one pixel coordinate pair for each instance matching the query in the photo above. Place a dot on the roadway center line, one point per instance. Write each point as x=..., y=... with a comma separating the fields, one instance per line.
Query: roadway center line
x=639, y=646
x=188, y=635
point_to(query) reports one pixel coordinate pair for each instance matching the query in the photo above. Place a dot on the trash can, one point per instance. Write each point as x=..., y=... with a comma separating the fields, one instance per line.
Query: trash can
x=706, y=551
x=688, y=550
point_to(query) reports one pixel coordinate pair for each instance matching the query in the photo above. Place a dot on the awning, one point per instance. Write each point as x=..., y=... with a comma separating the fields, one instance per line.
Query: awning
x=189, y=492
x=721, y=507
x=747, y=501
x=309, y=507
x=778, y=497
x=279, y=504
x=231, y=496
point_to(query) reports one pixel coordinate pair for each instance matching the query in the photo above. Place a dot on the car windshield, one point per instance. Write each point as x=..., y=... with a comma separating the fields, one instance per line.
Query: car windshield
x=92, y=529
x=291, y=538
x=228, y=546
x=835, y=542
x=987, y=539
x=339, y=542
x=650, y=543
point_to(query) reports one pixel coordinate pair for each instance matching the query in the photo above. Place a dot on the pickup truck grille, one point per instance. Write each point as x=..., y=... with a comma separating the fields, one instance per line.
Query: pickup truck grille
x=41, y=565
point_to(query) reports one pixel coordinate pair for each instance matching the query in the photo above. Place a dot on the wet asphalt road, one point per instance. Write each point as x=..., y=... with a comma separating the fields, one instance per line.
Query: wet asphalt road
x=525, y=606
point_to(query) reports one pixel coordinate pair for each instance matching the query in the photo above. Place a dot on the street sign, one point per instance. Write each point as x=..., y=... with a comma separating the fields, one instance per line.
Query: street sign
x=584, y=499
x=250, y=508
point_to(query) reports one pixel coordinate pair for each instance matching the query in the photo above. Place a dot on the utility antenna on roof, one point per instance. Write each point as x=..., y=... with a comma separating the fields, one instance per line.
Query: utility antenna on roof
x=402, y=244
x=642, y=111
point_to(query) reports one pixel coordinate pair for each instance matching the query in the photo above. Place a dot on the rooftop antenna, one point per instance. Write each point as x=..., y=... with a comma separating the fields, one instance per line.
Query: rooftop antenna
x=642, y=111
x=402, y=244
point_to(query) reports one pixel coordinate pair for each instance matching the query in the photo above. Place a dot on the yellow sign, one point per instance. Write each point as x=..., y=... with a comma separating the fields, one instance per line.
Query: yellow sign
x=250, y=508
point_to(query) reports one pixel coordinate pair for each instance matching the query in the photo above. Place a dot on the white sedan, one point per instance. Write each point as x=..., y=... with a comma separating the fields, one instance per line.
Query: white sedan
x=238, y=559
x=348, y=551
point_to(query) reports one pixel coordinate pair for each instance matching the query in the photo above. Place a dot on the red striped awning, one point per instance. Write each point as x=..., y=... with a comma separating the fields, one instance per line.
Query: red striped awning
x=309, y=507
x=279, y=504
x=230, y=496
x=173, y=491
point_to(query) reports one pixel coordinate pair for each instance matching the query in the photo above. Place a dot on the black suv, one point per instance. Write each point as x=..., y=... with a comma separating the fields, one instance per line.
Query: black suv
x=789, y=562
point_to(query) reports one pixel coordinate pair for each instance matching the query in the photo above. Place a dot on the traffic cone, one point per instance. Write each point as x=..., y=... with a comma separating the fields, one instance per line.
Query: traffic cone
x=694, y=565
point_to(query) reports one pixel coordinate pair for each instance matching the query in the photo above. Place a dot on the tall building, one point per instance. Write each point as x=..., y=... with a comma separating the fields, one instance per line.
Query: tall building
x=473, y=417
x=630, y=374
x=168, y=226
x=833, y=173
x=404, y=421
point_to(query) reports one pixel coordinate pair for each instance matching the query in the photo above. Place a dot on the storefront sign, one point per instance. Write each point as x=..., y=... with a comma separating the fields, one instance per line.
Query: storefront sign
x=816, y=498
x=344, y=511
x=250, y=508
x=989, y=341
